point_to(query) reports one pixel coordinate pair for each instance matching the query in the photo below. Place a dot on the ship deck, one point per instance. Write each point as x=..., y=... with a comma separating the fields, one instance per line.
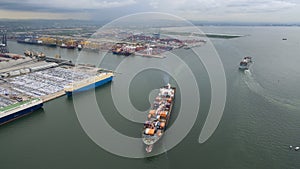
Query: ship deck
x=154, y=122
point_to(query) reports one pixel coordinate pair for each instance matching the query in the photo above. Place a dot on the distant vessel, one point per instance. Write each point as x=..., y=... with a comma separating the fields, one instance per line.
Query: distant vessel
x=71, y=46
x=19, y=109
x=29, y=41
x=63, y=45
x=245, y=63
x=53, y=45
x=89, y=83
x=67, y=46
x=122, y=52
x=284, y=38
x=122, y=49
x=158, y=116
x=34, y=54
x=79, y=47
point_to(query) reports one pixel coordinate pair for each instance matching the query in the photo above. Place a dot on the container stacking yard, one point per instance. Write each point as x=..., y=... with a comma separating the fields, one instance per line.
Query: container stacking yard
x=25, y=87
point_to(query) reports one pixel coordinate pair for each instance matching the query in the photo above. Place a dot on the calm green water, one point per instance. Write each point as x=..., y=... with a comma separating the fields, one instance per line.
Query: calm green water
x=261, y=117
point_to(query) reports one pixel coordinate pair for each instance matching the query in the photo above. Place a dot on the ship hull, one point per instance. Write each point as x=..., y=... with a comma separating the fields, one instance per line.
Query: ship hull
x=158, y=117
x=91, y=86
x=153, y=140
x=245, y=64
x=71, y=47
x=244, y=67
x=52, y=45
x=19, y=114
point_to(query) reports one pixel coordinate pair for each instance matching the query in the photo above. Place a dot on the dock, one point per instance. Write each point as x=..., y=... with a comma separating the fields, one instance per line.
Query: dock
x=46, y=79
x=53, y=96
x=208, y=35
x=149, y=55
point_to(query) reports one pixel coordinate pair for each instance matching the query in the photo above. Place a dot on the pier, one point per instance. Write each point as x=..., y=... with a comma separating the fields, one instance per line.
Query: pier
x=30, y=78
x=208, y=35
x=150, y=55
x=53, y=96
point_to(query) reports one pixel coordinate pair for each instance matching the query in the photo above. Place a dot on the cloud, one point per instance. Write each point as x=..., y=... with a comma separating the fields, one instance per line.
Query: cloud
x=208, y=6
x=259, y=5
x=231, y=10
x=8, y=14
x=213, y=6
x=189, y=9
x=82, y=4
x=63, y=5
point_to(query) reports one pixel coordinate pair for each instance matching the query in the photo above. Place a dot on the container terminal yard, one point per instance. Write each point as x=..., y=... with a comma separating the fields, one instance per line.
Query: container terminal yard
x=27, y=82
x=118, y=41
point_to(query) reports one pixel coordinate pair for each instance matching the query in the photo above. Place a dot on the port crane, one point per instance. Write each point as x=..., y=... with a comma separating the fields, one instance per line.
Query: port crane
x=3, y=43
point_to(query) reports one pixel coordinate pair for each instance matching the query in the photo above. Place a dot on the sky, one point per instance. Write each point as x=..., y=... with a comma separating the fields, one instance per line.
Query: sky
x=279, y=11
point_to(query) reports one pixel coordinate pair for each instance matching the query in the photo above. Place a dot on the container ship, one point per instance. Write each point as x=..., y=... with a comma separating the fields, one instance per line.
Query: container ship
x=67, y=46
x=89, y=83
x=17, y=110
x=31, y=41
x=158, y=116
x=245, y=63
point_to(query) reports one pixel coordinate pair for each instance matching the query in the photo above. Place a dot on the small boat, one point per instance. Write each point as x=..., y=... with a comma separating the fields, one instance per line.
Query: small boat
x=245, y=63
x=79, y=47
x=28, y=53
x=63, y=45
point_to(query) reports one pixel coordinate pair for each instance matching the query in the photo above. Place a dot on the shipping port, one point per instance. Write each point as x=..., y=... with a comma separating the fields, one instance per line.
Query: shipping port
x=118, y=41
x=24, y=79
x=28, y=82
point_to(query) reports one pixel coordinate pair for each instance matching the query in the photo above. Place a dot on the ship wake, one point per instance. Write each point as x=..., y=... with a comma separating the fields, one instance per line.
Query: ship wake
x=166, y=79
x=254, y=86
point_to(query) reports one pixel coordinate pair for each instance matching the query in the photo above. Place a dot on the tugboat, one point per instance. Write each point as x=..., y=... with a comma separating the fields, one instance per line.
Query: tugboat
x=158, y=116
x=79, y=47
x=245, y=63
x=63, y=45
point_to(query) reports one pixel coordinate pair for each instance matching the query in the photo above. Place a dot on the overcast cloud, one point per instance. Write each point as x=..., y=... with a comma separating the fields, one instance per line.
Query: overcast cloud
x=231, y=10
